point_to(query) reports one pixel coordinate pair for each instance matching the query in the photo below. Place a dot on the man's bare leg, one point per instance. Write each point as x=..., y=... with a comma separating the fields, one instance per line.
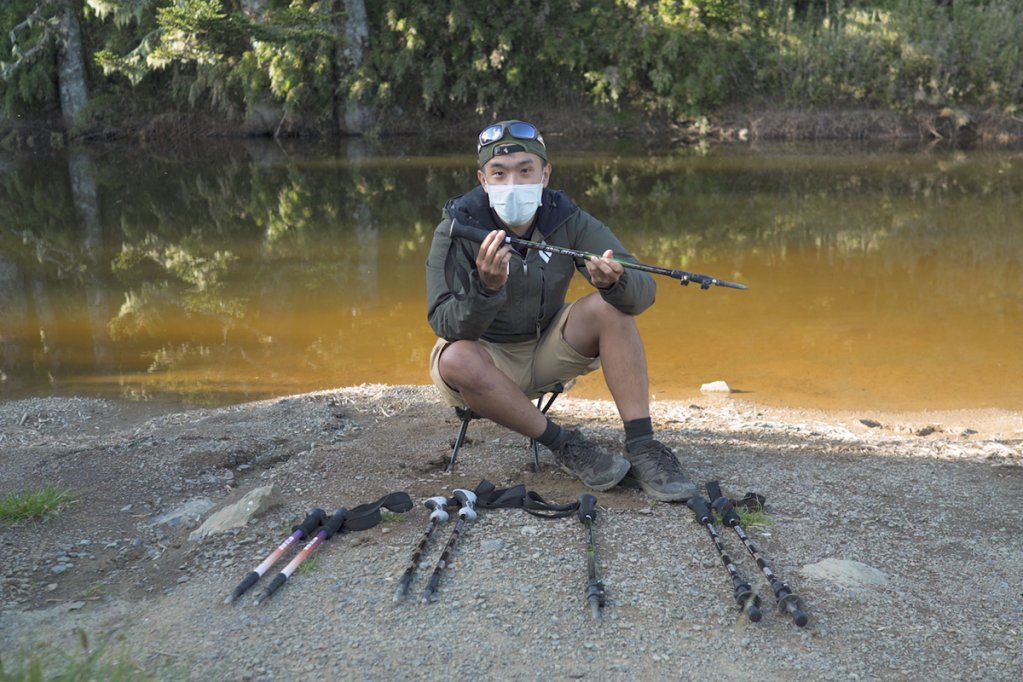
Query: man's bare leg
x=468, y=368
x=595, y=327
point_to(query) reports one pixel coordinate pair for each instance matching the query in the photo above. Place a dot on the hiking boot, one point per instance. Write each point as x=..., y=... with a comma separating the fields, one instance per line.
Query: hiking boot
x=595, y=466
x=657, y=471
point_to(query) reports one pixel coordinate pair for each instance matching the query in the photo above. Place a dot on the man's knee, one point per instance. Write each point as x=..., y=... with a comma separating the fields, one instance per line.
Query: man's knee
x=590, y=319
x=461, y=362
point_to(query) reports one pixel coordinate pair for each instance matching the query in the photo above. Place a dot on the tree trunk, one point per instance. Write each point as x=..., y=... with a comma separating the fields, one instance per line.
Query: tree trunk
x=358, y=118
x=71, y=65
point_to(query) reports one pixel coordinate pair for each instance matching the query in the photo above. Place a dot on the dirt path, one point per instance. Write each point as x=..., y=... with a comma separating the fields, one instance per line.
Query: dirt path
x=926, y=505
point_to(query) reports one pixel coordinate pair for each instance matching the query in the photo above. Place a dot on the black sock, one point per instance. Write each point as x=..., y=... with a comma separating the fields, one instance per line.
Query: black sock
x=637, y=431
x=553, y=436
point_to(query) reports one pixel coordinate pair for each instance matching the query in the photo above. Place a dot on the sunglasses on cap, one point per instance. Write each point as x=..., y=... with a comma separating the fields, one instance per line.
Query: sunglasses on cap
x=516, y=129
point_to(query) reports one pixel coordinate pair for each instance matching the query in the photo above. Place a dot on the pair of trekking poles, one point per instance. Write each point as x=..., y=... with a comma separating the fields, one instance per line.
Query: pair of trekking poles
x=362, y=517
x=487, y=497
x=438, y=506
x=748, y=601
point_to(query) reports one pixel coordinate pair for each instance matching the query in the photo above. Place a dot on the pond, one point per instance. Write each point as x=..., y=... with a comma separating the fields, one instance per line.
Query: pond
x=879, y=277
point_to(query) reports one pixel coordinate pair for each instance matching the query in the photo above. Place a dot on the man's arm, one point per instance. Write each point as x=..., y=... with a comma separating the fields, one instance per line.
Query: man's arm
x=633, y=291
x=459, y=305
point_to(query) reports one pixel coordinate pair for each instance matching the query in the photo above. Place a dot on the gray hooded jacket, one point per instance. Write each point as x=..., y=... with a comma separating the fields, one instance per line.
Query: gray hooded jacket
x=458, y=305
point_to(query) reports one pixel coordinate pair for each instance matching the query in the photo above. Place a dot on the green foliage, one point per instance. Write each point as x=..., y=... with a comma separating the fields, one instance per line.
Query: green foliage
x=286, y=56
x=291, y=59
x=475, y=56
x=687, y=59
x=26, y=82
x=38, y=505
x=901, y=55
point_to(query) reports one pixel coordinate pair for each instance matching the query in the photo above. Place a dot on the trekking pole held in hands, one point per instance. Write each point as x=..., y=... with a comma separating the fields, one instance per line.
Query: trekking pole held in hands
x=705, y=281
x=467, y=499
x=312, y=521
x=438, y=515
x=748, y=602
x=595, y=593
x=787, y=599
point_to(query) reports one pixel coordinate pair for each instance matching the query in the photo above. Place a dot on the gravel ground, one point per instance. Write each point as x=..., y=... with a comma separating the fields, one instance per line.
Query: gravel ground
x=926, y=506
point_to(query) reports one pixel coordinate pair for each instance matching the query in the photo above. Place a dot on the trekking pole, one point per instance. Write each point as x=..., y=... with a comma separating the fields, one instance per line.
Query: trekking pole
x=595, y=594
x=467, y=499
x=438, y=515
x=748, y=602
x=312, y=521
x=327, y=531
x=705, y=281
x=786, y=598
x=363, y=517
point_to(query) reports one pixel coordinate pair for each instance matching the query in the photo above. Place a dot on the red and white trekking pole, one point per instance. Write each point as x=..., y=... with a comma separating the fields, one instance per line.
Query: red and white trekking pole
x=312, y=521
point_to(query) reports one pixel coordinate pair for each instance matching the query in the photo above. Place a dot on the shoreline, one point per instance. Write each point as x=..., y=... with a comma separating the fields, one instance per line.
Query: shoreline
x=731, y=126
x=964, y=423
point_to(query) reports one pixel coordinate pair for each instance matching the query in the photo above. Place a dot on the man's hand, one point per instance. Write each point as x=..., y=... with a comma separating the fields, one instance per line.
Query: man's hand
x=604, y=272
x=493, y=259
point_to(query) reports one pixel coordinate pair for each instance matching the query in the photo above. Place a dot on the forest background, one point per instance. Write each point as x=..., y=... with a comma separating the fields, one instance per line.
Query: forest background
x=100, y=69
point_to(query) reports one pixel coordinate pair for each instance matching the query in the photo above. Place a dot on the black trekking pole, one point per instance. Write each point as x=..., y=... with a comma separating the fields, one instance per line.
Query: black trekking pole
x=467, y=499
x=595, y=594
x=312, y=521
x=438, y=515
x=786, y=598
x=362, y=517
x=705, y=281
x=748, y=602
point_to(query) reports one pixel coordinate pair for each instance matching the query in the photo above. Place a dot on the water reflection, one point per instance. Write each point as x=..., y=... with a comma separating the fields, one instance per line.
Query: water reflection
x=877, y=278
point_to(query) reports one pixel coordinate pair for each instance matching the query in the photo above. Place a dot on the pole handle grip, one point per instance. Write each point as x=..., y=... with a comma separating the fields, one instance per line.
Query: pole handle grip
x=726, y=510
x=313, y=520
x=587, y=508
x=438, y=508
x=699, y=506
x=465, y=232
x=334, y=523
x=467, y=499
x=436, y=502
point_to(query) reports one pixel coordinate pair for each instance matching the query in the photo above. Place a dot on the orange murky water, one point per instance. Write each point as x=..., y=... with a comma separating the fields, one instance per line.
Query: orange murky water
x=878, y=280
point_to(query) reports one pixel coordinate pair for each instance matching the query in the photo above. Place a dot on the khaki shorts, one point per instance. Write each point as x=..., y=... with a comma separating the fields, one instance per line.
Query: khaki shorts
x=534, y=365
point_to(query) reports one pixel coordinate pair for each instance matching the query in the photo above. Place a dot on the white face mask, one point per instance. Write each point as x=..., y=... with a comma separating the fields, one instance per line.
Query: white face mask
x=515, y=204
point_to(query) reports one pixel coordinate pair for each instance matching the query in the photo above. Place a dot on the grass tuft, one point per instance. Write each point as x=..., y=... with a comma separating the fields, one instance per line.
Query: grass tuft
x=392, y=517
x=40, y=504
x=754, y=518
